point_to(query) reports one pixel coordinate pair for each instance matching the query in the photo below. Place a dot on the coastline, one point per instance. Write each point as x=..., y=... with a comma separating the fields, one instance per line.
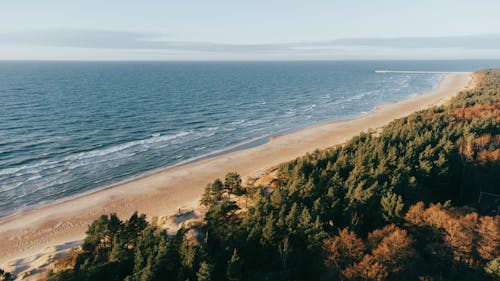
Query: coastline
x=28, y=233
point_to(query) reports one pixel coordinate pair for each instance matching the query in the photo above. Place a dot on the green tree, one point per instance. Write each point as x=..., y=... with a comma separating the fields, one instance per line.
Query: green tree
x=5, y=276
x=212, y=193
x=232, y=184
x=235, y=267
x=392, y=207
x=493, y=268
x=205, y=272
x=361, y=187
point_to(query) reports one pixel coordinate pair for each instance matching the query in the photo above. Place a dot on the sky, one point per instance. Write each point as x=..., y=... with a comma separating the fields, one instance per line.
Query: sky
x=249, y=30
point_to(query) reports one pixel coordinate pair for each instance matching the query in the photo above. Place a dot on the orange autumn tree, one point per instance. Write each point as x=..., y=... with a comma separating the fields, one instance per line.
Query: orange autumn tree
x=367, y=269
x=472, y=239
x=488, y=242
x=343, y=249
x=391, y=253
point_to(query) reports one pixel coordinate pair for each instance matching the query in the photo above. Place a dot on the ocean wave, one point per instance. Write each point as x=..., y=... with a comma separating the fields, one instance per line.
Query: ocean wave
x=291, y=112
x=117, y=148
x=309, y=107
x=238, y=122
x=14, y=170
x=72, y=165
x=357, y=97
x=255, y=122
x=224, y=150
x=80, y=157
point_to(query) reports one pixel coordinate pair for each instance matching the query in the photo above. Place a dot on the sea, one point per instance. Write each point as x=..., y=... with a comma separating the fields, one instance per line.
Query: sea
x=73, y=127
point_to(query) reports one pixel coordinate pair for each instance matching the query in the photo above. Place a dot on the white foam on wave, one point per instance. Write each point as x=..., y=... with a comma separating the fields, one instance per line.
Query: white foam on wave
x=238, y=122
x=255, y=122
x=73, y=161
x=291, y=112
x=309, y=107
x=15, y=170
x=10, y=186
x=92, y=161
x=218, y=151
x=124, y=146
x=356, y=97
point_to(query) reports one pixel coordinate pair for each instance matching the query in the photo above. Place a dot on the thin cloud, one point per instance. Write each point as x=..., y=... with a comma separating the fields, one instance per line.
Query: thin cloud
x=106, y=39
x=467, y=42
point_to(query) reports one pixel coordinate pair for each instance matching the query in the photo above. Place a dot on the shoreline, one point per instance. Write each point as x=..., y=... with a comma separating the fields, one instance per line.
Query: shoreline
x=221, y=152
x=164, y=191
x=248, y=144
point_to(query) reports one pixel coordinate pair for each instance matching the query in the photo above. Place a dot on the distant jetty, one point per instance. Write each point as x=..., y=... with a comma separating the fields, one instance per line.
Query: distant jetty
x=418, y=72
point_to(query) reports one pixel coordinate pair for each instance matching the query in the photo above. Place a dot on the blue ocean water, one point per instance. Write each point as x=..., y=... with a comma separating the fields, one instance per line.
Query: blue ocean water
x=70, y=127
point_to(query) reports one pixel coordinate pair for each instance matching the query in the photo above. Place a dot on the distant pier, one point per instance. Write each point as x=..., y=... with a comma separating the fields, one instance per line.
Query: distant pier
x=418, y=72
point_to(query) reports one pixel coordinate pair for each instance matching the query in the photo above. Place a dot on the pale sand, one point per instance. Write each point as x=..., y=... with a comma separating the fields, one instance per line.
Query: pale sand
x=30, y=233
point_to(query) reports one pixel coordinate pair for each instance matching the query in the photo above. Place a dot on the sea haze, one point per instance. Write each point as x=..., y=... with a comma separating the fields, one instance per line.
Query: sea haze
x=70, y=127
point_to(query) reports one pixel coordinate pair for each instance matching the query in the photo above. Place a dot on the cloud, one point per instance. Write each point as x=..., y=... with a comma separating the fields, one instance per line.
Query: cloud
x=84, y=44
x=467, y=42
x=106, y=39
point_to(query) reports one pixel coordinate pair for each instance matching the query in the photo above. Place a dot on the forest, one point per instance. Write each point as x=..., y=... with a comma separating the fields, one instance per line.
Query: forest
x=398, y=204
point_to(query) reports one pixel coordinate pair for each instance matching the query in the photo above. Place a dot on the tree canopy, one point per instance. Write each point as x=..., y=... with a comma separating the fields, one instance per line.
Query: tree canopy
x=389, y=206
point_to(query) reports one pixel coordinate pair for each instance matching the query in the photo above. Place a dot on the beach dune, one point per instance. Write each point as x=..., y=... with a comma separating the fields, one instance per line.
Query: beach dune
x=30, y=232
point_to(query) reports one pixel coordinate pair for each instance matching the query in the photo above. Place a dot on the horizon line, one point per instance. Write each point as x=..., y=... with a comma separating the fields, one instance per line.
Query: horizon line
x=245, y=60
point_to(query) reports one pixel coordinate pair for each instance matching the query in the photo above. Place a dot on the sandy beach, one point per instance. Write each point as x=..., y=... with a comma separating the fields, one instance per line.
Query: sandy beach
x=62, y=224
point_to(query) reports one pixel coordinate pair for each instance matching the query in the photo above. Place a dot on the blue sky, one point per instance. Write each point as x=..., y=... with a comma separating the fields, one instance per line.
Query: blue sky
x=249, y=30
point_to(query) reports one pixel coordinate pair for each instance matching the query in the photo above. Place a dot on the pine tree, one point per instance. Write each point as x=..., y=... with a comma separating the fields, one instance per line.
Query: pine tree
x=235, y=267
x=305, y=220
x=100, y=236
x=392, y=207
x=291, y=219
x=212, y=193
x=6, y=276
x=277, y=198
x=205, y=272
x=206, y=198
x=232, y=183
x=315, y=235
x=269, y=234
x=493, y=268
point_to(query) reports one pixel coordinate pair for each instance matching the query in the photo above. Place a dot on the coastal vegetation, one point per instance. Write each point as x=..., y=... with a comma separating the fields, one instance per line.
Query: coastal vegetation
x=5, y=276
x=399, y=204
